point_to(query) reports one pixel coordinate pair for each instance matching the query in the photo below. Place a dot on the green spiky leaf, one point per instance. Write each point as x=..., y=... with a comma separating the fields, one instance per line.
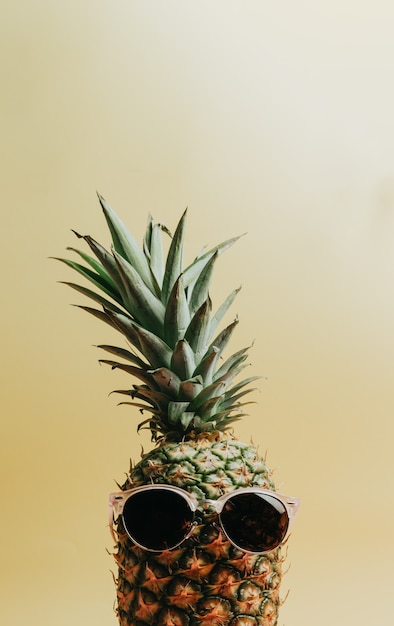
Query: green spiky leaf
x=192, y=272
x=94, y=296
x=94, y=264
x=176, y=411
x=166, y=380
x=177, y=315
x=145, y=307
x=222, y=310
x=174, y=261
x=124, y=354
x=197, y=333
x=130, y=369
x=97, y=279
x=183, y=361
x=200, y=292
x=125, y=244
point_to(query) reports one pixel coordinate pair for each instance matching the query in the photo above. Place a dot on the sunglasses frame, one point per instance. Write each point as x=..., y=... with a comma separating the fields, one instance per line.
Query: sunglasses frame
x=117, y=501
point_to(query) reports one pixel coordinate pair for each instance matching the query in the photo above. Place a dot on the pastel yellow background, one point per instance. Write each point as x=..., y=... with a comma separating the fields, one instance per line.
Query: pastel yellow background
x=274, y=118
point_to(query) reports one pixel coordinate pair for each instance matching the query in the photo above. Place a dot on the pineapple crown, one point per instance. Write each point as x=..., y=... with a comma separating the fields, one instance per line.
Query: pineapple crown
x=165, y=314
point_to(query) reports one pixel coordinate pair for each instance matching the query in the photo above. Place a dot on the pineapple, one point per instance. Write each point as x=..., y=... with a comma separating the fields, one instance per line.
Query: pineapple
x=188, y=399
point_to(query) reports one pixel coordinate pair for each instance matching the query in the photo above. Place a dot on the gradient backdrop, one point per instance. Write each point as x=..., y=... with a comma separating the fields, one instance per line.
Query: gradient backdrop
x=274, y=118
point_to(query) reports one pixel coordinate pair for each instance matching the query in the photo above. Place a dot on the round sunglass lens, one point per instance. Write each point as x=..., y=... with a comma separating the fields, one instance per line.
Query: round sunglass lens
x=157, y=519
x=255, y=522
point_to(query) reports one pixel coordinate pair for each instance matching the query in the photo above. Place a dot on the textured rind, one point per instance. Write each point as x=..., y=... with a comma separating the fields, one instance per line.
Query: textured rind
x=206, y=581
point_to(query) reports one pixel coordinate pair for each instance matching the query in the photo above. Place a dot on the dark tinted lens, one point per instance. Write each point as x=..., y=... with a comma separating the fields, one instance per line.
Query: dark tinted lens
x=157, y=519
x=256, y=523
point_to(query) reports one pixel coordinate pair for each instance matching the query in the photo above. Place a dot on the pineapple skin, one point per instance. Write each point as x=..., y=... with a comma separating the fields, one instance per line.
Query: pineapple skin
x=206, y=581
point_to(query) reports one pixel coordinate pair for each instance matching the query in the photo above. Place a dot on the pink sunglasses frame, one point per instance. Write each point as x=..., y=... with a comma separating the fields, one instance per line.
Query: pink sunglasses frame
x=118, y=499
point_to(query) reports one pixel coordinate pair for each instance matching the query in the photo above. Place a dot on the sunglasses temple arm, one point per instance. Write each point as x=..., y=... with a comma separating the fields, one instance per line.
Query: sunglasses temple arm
x=293, y=507
x=111, y=521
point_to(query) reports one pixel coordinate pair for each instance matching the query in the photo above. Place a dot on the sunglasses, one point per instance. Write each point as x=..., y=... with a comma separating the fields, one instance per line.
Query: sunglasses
x=161, y=517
